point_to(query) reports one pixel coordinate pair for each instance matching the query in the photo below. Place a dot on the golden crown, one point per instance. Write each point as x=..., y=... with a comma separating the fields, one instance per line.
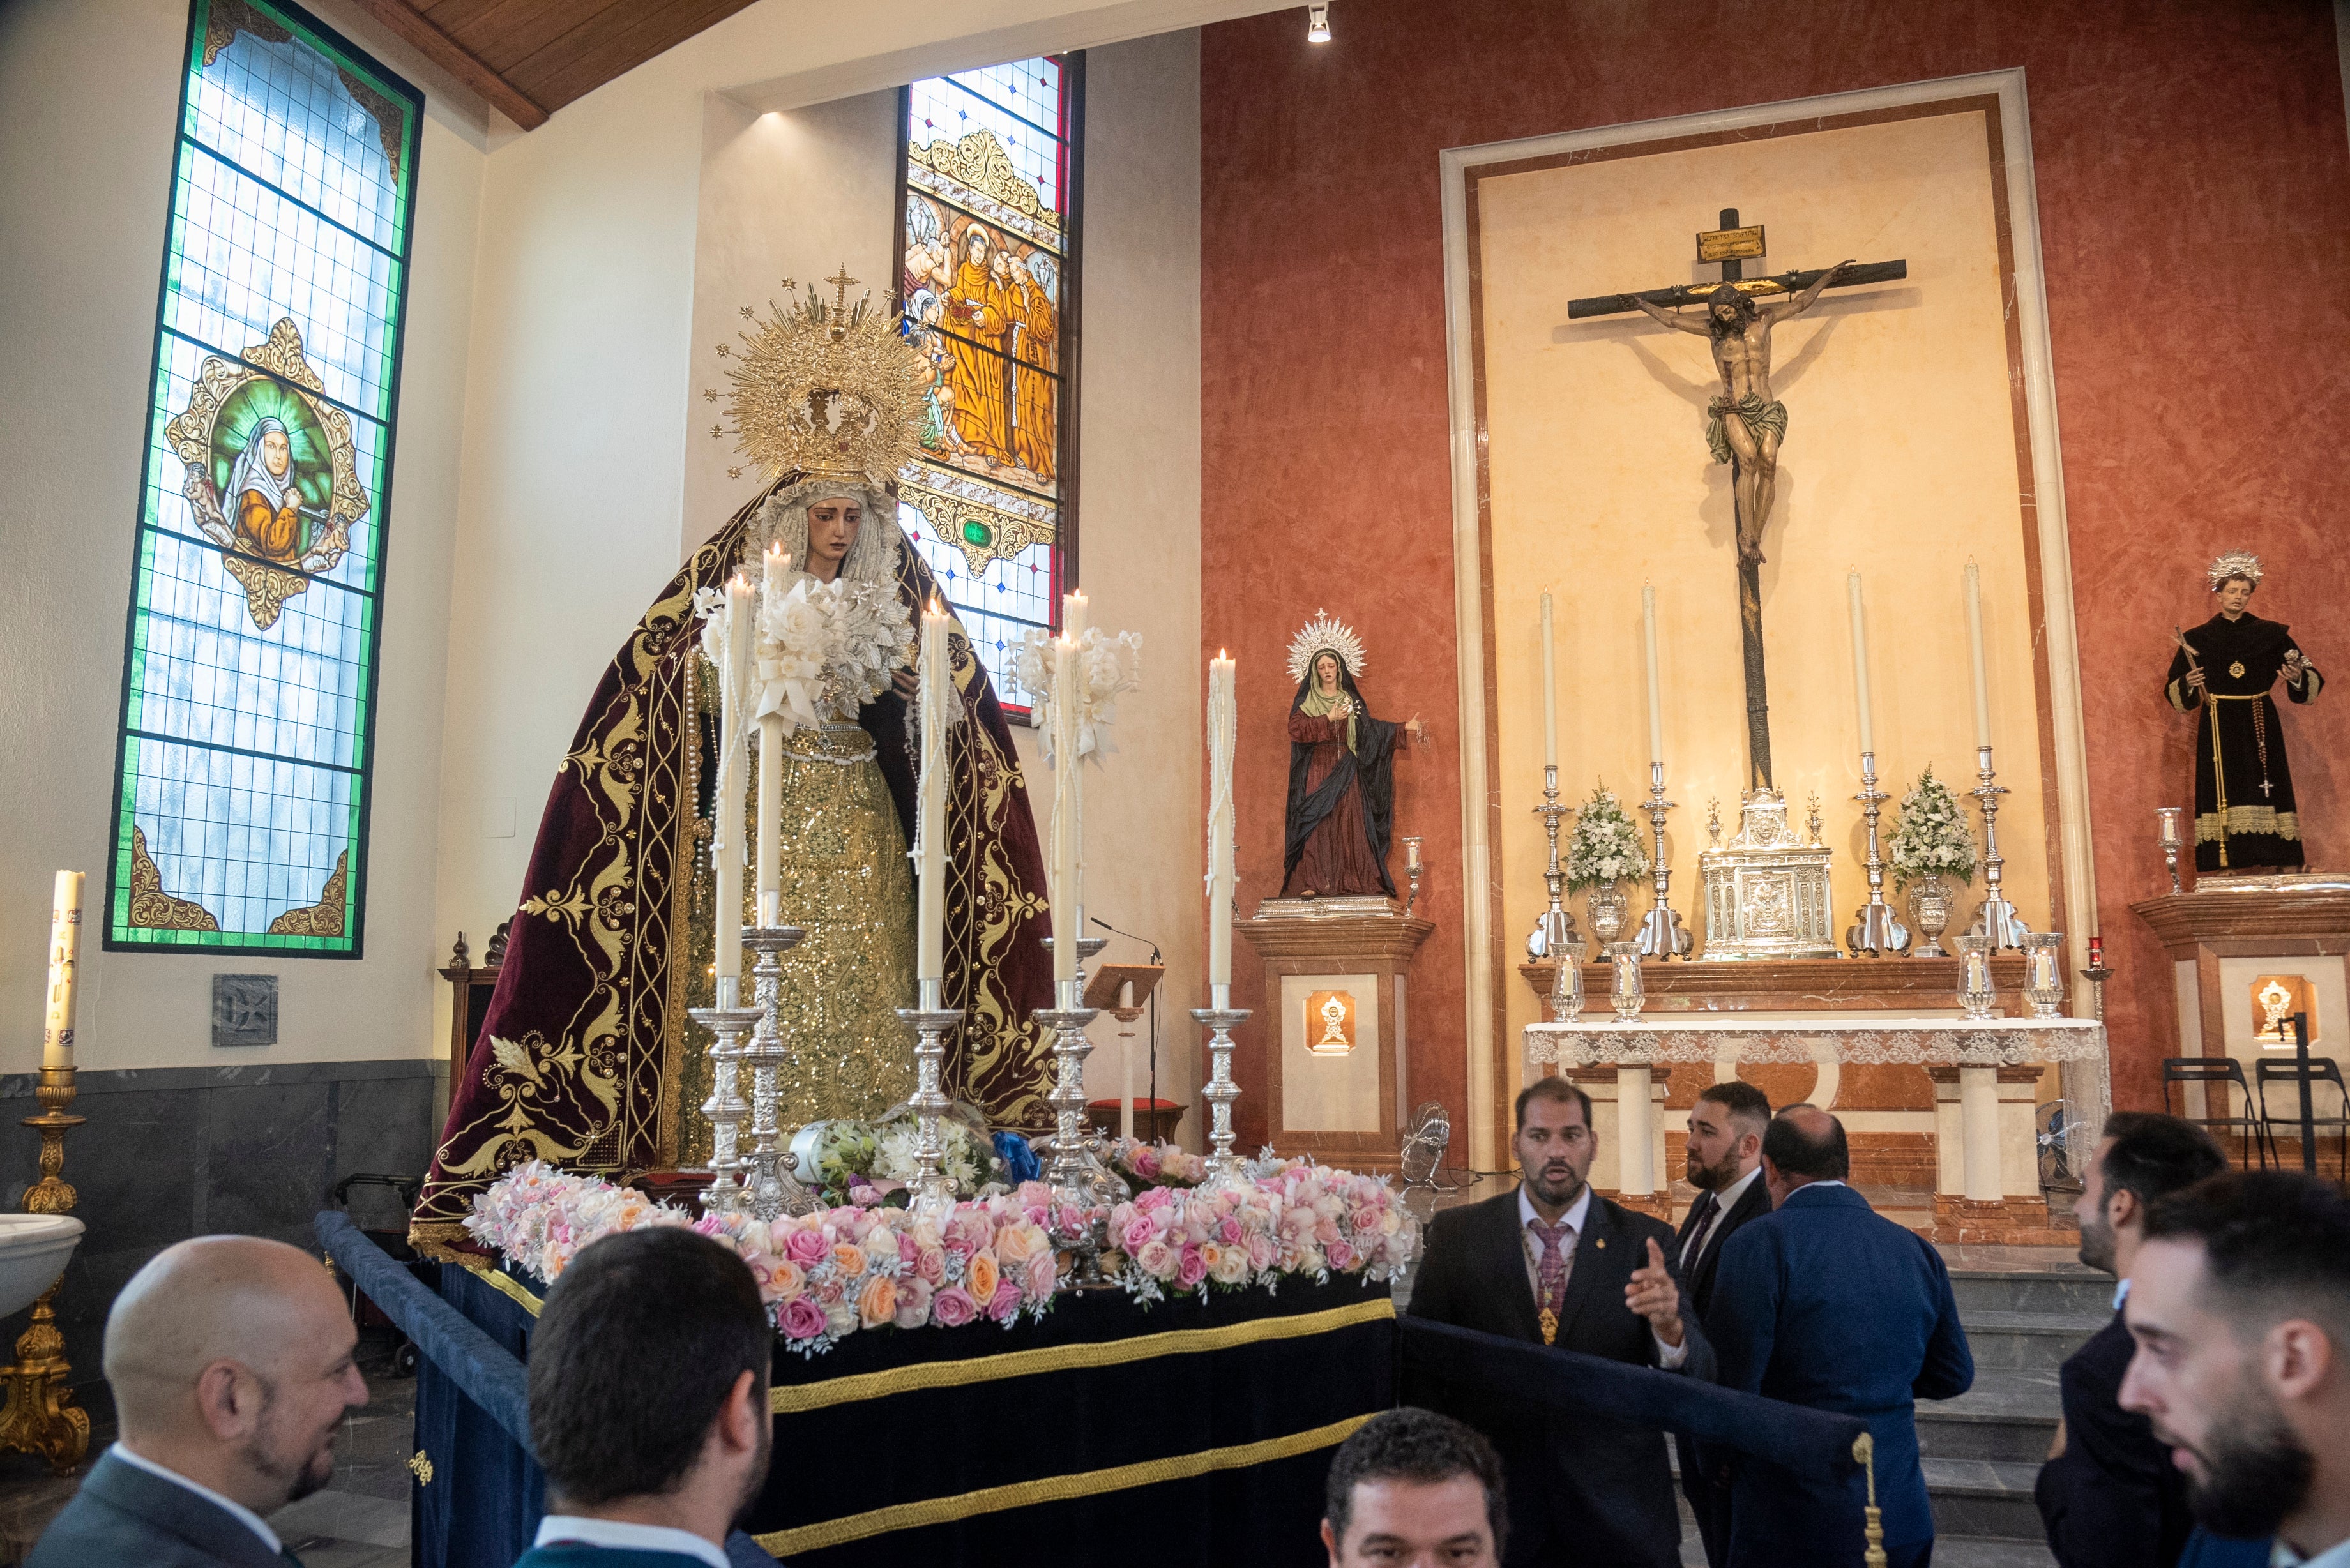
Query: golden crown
x=830, y=391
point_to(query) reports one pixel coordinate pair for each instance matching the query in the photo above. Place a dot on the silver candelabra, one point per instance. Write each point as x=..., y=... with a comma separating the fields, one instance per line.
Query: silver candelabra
x=773, y=1189
x=1079, y=1171
x=1554, y=926
x=1222, y=1018
x=930, y=1019
x=1878, y=931
x=1662, y=936
x=1997, y=919
x=728, y=1191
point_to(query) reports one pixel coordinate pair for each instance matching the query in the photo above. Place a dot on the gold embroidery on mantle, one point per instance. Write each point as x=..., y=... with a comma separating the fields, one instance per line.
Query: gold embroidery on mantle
x=325, y=917
x=152, y=908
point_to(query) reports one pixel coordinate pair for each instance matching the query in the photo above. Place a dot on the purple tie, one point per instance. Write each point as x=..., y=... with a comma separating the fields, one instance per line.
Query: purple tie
x=1549, y=1274
x=1708, y=1208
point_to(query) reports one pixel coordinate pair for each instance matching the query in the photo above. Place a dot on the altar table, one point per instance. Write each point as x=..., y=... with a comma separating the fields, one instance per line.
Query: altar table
x=1198, y=1431
x=1973, y=1050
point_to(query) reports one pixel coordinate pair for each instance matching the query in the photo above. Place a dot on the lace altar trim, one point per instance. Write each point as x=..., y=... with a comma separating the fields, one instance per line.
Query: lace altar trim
x=2000, y=1042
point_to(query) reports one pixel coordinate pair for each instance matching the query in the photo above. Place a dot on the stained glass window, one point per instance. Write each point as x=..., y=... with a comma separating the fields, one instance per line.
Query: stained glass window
x=249, y=681
x=989, y=261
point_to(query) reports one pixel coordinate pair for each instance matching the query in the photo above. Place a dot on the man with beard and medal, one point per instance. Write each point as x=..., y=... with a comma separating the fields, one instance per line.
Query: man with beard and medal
x=1555, y=1263
x=2239, y=1303
x=1725, y=1165
x=2109, y=1496
x=2246, y=818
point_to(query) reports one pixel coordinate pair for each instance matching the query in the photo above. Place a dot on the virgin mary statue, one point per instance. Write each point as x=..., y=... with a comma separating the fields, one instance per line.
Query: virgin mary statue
x=585, y=1058
x=1341, y=773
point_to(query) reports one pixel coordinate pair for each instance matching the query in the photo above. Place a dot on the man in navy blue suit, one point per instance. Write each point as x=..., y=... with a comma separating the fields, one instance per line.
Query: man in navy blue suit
x=648, y=1403
x=2239, y=1303
x=1825, y=1304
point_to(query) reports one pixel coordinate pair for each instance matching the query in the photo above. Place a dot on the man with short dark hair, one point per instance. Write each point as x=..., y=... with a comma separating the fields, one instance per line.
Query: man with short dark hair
x=1825, y=1304
x=2109, y=1495
x=648, y=1403
x=1414, y=1488
x=1725, y=1165
x=1555, y=1263
x=2239, y=1303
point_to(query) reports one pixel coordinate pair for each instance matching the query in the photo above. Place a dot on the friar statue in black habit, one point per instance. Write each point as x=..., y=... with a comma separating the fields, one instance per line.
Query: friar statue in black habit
x=2245, y=817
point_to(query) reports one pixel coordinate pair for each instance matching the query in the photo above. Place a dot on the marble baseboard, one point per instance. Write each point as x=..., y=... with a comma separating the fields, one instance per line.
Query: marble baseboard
x=173, y=1152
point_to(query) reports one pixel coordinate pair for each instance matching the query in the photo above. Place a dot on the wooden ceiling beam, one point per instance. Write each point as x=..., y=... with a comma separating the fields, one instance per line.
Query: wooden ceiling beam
x=456, y=59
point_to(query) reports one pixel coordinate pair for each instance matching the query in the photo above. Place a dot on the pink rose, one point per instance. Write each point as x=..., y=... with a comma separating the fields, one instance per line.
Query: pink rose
x=1034, y=1194
x=802, y=1318
x=1365, y=1220
x=1069, y=1220
x=1229, y=1232
x=930, y=1264
x=1006, y=1301
x=1145, y=1163
x=1040, y=1280
x=913, y=1304
x=1342, y=1256
x=1155, y=1200
x=1260, y=1252
x=952, y=1307
x=908, y=1253
x=1157, y=1259
x=1326, y=1232
x=1192, y=1269
x=1138, y=1234
x=806, y=1248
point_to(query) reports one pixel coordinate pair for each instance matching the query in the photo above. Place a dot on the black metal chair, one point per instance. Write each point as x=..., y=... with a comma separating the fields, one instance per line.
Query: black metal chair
x=2288, y=1073
x=2215, y=1074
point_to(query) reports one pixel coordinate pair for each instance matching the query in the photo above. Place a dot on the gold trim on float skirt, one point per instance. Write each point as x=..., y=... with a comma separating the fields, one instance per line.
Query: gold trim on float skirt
x=506, y=1284
x=2243, y=819
x=1069, y=1357
x=1054, y=1489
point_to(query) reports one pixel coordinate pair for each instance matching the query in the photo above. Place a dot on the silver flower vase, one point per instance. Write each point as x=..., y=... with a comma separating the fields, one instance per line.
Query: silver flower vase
x=1929, y=910
x=1610, y=907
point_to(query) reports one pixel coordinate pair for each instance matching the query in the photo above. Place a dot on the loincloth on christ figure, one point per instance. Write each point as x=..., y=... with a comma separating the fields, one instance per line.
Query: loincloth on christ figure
x=1758, y=416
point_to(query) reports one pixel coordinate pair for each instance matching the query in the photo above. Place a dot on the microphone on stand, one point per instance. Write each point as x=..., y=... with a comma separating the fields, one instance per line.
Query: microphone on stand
x=1157, y=959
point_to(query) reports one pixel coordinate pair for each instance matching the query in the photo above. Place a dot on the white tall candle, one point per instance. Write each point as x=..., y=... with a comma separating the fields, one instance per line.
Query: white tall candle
x=1223, y=731
x=1975, y=647
x=775, y=581
x=932, y=881
x=1550, y=691
x=1860, y=659
x=1126, y=1062
x=1655, y=702
x=64, y=971
x=740, y=631
x=1066, y=894
x=1073, y=615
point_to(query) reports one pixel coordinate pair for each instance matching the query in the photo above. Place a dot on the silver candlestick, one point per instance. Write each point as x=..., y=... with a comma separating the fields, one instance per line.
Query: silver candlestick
x=1554, y=926
x=1079, y=1169
x=773, y=1189
x=1997, y=919
x=1878, y=931
x=728, y=1191
x=930, y=1019
x=1220, y=1017
x=1411, y=869
x=1662, y=935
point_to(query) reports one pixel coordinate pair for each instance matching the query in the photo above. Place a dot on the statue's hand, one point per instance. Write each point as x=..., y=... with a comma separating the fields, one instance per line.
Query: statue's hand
x=2194, y=678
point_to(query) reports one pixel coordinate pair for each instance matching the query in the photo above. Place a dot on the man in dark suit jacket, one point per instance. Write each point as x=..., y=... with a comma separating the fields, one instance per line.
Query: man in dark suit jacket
x=1557, y=1263
x=2109, y=1495
x=230, y=1359
x=2239, y=1303
x=1725, y=1165
x=1824, y=1303
x=648, y=1403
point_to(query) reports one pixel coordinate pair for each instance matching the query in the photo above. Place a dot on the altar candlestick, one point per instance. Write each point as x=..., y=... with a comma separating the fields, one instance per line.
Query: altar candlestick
x=932, y=878
x=1975, y=646
x=64, y=971
x=1126, y=1060
x=1550, y=691
x=740, y=631
x=1073, y=615
x=1223, y=731
x=1860, y=661
x=1656, y=702
x=1065, y=893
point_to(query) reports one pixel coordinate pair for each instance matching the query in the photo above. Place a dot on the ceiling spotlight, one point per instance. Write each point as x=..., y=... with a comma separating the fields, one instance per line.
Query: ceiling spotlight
x=1317, y=24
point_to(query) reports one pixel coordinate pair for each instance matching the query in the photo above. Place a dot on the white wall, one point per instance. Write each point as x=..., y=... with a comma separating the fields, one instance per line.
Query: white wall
x=89, y=93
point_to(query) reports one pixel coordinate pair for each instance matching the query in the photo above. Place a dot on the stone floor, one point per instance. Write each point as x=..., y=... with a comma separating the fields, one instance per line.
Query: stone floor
x=358, y=1521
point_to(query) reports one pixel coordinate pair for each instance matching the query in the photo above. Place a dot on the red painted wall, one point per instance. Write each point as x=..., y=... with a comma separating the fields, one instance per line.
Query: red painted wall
x=2194, y=188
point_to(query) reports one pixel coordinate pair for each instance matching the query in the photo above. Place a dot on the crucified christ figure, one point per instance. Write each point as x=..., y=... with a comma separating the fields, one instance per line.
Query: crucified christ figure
x=1745, y=424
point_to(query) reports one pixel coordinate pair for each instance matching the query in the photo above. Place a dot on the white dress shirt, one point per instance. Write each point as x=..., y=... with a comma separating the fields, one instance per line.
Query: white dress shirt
x=1668, y=1357
x=229, y=1506
x=1723, y=1203
x=558, y=1529
x=2334, y=1556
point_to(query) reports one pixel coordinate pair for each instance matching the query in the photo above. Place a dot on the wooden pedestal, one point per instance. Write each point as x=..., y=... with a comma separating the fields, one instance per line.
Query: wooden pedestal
x=1336, y=1080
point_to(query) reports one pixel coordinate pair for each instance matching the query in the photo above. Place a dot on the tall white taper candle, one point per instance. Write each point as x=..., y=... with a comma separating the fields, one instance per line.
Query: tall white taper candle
x=741, y=631
x=774, y=583
x=1975, y=647
x=1065, y=894
x=1656, y=701
x=1859, y=659
x=1223, y=732
x=64, y=971
x=1550, y=691
x=931, y=877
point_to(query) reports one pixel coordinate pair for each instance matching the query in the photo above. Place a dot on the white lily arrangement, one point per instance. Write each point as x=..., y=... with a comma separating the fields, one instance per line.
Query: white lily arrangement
x=1932, y=838
x=1109, y=665
x=1604, y=846
x=822, y=649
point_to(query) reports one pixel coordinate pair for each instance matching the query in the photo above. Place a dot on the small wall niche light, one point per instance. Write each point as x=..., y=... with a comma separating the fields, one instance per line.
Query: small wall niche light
x=1317, y=24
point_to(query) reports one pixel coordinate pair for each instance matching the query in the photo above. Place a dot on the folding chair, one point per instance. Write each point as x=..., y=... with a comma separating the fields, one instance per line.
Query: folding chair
x=2216, y=1073
x=2288, y=1074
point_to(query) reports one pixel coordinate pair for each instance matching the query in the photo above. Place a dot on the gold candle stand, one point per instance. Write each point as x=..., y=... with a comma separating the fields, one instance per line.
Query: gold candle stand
x=40, y=1416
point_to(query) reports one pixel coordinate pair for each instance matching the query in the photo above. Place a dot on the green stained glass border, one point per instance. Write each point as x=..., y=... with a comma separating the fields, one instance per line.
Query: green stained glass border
x=350, y=814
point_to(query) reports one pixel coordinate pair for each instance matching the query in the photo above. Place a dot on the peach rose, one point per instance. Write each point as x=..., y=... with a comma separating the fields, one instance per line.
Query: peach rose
x=848, y=1258
x=980, y=1277
x=785, y=1279
x=878, y=1304
x=1018, y=1243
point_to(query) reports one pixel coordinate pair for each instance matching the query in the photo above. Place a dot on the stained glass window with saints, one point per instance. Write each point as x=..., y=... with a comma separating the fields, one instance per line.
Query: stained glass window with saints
x=989, y=261
x=249, y=681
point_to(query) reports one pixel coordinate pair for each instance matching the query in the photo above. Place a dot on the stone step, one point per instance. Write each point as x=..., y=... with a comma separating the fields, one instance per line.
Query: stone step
x=1969, y=1551
x=2006, y=1416
x=1976, y=1498
x=2027, y=1341
x=2084, y=1292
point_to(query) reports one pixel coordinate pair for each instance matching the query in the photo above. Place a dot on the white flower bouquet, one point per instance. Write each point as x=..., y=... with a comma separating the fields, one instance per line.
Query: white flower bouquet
x=1604, y=846
x=1932, y=838
x=823, y=650
x=1109, y=666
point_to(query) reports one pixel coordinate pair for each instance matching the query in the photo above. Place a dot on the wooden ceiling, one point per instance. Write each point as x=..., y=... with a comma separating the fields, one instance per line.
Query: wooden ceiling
x=530, y=57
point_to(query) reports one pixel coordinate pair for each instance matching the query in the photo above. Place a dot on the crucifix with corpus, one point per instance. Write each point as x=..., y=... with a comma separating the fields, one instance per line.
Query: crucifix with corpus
x=1745, y=424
